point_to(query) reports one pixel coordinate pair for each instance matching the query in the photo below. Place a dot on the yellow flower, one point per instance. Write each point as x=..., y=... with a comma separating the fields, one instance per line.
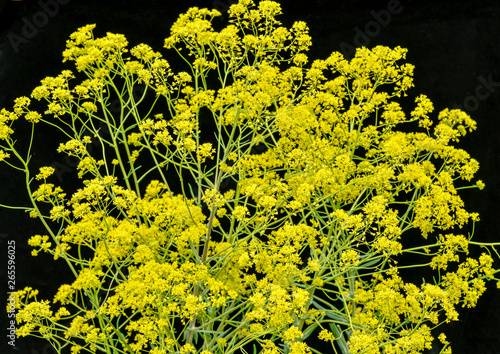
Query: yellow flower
x=87, y=279
x=299, y=348
x=45, y=172
x=3, y=155
x=349, y=258
x=64, y=294
x=292, y=334
x=33, y=117
x=326, y=335
x=205, y=151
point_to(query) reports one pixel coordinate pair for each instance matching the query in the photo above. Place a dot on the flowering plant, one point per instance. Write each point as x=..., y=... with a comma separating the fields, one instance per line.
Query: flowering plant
x=250, y=204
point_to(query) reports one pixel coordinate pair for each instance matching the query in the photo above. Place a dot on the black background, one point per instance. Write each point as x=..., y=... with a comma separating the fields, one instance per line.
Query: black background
x=453, y=44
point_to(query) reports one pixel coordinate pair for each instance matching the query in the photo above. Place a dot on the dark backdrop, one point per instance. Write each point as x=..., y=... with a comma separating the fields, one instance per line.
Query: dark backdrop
x=453, y=44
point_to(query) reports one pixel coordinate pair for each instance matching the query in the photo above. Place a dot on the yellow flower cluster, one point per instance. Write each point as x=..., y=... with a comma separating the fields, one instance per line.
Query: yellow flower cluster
x=252, y=202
